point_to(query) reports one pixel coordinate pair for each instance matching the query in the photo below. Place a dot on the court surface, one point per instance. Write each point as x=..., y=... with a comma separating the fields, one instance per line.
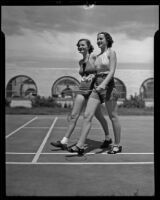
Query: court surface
x=35, y=168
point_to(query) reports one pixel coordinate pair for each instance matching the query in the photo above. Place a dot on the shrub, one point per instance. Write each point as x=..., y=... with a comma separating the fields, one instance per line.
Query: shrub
x=70, y=106
x=133, y=102
x=39, y=101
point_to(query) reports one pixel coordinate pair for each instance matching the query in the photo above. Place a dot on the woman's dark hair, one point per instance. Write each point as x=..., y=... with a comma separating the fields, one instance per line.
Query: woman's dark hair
x=108, y=38
x=90, y=47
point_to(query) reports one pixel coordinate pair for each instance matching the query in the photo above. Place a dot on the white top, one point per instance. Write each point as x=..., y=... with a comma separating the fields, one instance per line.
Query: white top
x=102, y=63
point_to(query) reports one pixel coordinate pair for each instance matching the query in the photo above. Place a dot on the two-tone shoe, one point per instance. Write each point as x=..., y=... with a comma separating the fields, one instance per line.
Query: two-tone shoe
x=59, y=144
x=76, y=149
x=115, y=149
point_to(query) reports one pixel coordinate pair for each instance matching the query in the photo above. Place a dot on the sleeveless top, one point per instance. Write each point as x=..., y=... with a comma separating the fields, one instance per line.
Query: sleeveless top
x=102, y=63
x=87, y=68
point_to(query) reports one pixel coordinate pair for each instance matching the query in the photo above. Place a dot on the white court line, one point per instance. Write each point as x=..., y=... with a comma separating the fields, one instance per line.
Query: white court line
x=21, y=127
x=44, y=142
x=18, y=153
x=96, y=128
x=131, y=117
x=39, y=127
x=80, y=163
x=66, y=153
x=102, y=153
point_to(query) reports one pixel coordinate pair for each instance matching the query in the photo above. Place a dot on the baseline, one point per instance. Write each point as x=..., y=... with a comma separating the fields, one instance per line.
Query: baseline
x=80, y=163
x=66, y=153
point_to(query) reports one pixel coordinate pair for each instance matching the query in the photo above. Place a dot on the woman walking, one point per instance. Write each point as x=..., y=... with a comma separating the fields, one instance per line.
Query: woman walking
x=104, y=91
x=87, y=72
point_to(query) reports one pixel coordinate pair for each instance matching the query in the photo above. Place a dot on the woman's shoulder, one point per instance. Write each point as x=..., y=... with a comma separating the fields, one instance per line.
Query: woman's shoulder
x=111, y=51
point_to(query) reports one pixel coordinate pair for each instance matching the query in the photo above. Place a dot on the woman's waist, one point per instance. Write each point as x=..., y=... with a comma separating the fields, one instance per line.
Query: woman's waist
x=102, y=74
x=99, y=78
x=88, y=73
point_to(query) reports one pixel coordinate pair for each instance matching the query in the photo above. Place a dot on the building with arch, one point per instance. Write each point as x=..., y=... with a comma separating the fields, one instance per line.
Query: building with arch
x=57, y=82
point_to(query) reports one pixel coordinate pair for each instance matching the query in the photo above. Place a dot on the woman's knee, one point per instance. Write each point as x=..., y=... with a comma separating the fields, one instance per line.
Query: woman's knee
x=88, y=117
x=113, y=117
x=73, y=117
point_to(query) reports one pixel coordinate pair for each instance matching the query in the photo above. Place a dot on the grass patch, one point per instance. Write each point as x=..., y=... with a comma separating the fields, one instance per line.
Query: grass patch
x=37, y=111
x=135, y=111
x=62, y=111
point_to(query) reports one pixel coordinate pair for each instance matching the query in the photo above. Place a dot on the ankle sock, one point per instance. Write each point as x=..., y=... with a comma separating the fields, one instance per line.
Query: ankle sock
x=64, y=140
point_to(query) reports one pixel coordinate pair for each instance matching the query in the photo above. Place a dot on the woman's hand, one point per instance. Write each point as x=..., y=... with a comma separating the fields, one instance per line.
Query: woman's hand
x=88, y=78
x=101, y=87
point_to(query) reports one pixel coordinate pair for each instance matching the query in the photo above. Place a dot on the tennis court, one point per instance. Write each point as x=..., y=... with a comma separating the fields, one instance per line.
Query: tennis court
x=35, y=168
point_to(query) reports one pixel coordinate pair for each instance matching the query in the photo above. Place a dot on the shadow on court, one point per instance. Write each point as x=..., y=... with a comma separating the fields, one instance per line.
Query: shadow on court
x=90, y=146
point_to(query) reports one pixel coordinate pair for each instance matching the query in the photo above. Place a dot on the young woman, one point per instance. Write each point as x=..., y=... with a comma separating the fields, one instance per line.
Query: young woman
x=104, y=91
x=87, y=72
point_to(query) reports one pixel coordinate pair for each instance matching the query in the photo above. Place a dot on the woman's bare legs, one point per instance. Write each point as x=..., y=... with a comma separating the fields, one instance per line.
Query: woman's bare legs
x=77, y=108
x=88, y=115
x=100, y=117
x=112, y=112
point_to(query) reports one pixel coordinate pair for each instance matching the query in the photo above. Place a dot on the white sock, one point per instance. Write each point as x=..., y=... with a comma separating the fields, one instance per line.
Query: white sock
x=64, y=140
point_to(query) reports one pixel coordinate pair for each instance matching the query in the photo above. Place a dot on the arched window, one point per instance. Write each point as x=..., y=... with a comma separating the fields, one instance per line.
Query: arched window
x=147, y=89
x=21, y=87
x=120, y=87
x=63, y=87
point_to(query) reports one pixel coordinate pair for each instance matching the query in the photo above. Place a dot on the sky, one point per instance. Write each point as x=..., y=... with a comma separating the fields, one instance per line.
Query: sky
x=46, y=36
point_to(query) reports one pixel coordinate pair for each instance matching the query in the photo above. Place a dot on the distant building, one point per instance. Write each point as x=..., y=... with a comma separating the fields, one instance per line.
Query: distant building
x=23, y=82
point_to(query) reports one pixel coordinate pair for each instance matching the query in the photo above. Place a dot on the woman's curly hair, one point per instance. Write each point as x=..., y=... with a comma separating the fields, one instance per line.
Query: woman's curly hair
x=108, y=38
x=90, y=46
